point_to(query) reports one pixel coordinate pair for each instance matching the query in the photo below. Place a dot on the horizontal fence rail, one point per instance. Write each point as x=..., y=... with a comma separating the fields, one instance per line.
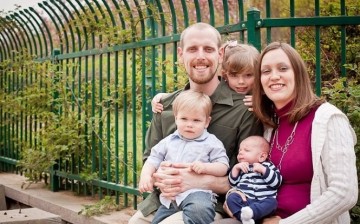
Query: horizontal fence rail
x=77, y=77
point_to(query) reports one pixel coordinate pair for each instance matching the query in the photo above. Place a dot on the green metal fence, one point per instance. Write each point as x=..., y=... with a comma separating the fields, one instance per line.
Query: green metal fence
x=77, y=76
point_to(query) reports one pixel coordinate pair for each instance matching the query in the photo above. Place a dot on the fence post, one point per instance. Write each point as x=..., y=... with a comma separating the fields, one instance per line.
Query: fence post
x=152, y=56
x=253, y=27
x=54, y=179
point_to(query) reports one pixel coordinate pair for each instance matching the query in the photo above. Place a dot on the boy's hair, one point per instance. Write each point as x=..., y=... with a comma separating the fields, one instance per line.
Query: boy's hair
x=189, y=100
x=260, y=142
x=200, y=26
x=239, y=57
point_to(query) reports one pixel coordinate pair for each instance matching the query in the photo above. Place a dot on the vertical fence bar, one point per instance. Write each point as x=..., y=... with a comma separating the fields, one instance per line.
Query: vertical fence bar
x=54, y=179
x=268, y=15
x=317, y=52
x=253, y=27
x=292, y=28
x=174, y=49
x=343, y=40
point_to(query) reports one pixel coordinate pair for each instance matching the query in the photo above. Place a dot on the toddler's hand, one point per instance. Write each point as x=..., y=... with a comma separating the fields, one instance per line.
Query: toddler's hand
x=198, y=167
x=146, y=184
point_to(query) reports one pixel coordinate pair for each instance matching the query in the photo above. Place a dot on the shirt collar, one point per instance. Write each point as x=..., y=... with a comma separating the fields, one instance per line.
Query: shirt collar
x=202, y=137
x=222, y=94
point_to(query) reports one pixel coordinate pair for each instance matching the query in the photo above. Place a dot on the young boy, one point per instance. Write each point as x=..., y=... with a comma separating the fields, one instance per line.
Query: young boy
x=192, y=144
x=237, y=70
x=254, y=177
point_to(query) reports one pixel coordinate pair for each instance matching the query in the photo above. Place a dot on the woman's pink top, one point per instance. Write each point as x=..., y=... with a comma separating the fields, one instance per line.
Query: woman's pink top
x=296, y=166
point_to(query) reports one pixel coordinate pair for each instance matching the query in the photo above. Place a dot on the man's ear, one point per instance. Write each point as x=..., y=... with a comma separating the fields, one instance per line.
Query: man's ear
x=180, y=54
x=221, y=54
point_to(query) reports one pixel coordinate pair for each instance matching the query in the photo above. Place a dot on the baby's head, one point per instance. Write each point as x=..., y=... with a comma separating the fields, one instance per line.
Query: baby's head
x=192, y=113
x=238, y=66
x=253, y=149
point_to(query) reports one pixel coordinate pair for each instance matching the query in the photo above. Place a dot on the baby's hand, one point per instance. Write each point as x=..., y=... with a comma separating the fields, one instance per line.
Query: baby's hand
x=248, y=102
x=243, y=166
x=198, y=167
x=156, y=106
x=259, y=168
x=146, y=184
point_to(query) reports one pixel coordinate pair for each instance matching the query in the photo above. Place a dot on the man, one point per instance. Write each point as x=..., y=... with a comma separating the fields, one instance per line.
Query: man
x=201, y=54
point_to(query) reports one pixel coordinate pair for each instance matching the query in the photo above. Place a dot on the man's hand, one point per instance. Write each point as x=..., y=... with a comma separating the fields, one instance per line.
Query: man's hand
x=170, y=178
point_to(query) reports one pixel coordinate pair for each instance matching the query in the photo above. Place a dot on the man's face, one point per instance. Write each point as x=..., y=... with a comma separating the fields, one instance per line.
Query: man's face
x=200, y=55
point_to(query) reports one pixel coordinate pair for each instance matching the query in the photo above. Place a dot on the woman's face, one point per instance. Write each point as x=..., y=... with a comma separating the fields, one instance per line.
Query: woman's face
x=277, y=77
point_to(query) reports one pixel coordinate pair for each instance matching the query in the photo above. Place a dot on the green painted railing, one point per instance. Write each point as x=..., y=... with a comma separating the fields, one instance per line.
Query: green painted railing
x=101, y=61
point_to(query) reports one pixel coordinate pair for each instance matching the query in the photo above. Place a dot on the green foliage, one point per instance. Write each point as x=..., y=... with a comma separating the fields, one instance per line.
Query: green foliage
x=104, y=206
x=347, y=98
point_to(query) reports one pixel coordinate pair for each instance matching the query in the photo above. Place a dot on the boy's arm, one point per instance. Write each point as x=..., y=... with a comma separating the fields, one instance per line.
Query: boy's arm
x=216, y=169
x=156, y=106
x=146, y=178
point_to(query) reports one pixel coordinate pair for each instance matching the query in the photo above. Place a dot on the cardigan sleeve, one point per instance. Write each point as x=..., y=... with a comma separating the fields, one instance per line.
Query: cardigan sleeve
x=334, y=188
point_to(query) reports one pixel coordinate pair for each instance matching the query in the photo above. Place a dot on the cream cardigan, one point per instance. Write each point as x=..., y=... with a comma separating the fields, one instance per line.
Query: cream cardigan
x=334, y=186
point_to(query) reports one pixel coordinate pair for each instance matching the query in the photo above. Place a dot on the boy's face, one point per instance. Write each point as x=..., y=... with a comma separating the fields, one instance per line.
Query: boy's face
x=240, y=82
x=191, y=123
x=250, y=152
x=200, y=55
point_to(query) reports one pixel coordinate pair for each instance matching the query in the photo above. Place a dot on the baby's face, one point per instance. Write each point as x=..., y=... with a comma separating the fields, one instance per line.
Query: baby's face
x=241, y=82
x=249, y=152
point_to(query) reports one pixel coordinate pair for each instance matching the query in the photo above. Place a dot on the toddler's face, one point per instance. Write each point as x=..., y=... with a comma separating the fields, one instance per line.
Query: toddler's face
x=192, y=123
x=241, y=82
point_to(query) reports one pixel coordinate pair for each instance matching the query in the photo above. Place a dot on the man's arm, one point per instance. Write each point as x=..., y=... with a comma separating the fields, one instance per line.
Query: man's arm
x=162, y=125
x=177, y=179
x=153, y=135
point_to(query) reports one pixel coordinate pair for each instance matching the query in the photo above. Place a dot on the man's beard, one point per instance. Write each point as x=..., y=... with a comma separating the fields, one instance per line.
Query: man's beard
x=203, y=79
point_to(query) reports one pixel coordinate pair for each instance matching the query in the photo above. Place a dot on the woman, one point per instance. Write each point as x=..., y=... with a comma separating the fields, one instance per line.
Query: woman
x=312, y=142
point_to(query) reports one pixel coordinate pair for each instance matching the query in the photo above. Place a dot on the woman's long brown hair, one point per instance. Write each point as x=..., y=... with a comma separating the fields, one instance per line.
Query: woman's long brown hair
x=304, y=96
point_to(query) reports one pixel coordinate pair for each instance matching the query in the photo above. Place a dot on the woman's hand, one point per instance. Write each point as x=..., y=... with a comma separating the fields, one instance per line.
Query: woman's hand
x=272, y=220
x=227, y=210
